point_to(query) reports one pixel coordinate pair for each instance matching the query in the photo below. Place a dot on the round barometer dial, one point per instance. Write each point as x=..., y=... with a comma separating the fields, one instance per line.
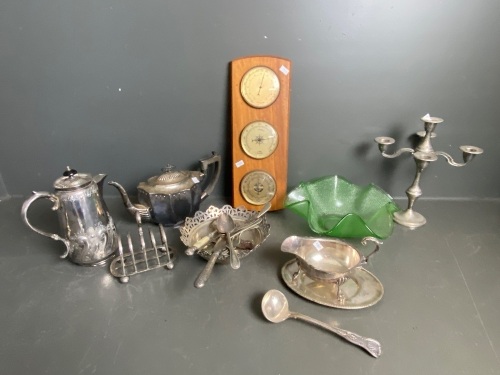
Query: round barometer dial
x=258, y=187
x=260, y=86
x=259, y=139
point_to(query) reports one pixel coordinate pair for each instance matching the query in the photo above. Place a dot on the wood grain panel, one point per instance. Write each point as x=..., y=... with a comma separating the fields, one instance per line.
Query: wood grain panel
x=277, y=114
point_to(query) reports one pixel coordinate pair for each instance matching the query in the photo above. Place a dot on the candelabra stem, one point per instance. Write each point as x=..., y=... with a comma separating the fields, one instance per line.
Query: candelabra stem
x=409, y=217
x=425, y=143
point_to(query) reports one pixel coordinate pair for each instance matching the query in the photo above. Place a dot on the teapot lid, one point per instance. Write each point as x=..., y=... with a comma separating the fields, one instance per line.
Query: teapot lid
x=171, y=181
x=71, y=179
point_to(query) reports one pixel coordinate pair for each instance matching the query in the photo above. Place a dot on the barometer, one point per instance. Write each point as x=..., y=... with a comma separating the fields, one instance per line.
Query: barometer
x=260, y=106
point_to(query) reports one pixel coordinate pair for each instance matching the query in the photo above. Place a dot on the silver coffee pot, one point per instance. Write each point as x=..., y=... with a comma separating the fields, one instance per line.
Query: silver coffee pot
x=89, y=235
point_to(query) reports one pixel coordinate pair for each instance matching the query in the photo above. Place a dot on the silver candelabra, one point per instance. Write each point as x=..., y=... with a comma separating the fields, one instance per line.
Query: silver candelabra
x=423, y=154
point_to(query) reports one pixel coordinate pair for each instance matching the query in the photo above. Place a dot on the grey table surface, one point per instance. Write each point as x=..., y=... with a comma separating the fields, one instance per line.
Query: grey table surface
x=439, y=313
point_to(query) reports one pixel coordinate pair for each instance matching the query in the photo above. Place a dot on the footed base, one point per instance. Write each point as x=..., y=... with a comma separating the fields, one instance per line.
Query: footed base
x=409, y=218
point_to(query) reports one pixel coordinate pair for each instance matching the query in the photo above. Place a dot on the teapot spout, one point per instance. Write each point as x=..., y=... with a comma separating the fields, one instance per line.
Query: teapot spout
x=132, y=208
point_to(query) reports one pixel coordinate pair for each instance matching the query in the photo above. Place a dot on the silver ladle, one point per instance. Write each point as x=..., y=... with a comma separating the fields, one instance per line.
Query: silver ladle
x=225, y=225
x=275, y=309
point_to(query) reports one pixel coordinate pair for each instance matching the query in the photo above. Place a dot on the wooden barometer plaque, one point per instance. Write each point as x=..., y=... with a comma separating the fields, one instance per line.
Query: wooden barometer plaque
x=260, y=115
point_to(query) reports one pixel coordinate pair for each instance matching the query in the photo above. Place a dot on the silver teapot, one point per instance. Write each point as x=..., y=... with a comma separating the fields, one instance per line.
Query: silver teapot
x=169, y=198
x=89, y=232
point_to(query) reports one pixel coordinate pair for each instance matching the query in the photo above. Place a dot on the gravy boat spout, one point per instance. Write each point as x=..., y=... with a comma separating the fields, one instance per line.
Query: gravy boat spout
x=292, y=245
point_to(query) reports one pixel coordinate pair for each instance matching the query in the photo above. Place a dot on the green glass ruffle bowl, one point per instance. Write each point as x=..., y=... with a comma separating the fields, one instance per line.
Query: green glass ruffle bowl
x=335, y=207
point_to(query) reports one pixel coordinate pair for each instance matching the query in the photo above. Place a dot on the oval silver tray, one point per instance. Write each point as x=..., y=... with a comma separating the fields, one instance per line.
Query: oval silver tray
x=360, y=290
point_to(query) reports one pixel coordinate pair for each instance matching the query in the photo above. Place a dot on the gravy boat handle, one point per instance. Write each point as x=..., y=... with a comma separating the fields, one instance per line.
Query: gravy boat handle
x=364, y=242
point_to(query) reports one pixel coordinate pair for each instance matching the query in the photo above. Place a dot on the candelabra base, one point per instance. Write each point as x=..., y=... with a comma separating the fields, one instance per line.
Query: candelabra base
x=409, y=218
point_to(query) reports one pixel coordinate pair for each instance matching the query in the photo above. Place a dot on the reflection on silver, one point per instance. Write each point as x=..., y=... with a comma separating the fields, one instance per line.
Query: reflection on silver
x=275, y=308
x=89, y=233
x=251, y=230
x=327, y=259
x=360, y=290
x=145, y=259
x=174, y=195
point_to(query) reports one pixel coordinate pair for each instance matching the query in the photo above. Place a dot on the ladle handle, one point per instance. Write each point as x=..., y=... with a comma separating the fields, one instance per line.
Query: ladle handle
x=370, y=345
x=377, y=246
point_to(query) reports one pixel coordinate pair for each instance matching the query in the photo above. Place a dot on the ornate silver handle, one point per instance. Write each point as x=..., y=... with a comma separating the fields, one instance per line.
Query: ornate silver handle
x=202, y=242
x=370, y=345
x=377, y=247
x=233, y=257
x=207, y=271
x=24, y=216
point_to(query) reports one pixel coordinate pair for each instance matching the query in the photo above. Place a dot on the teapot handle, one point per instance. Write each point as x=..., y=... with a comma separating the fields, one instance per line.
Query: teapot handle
x=24, y=216
x=214, y=177
x=377, y=247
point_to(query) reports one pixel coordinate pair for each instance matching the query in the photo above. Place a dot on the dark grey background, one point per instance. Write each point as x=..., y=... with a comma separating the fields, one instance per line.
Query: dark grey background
x=123, y=87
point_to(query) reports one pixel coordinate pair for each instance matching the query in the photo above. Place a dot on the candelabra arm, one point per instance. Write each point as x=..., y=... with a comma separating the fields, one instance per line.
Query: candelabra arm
x=384, y=142
x=397, y=153
x=449, y=159
x=468, y=153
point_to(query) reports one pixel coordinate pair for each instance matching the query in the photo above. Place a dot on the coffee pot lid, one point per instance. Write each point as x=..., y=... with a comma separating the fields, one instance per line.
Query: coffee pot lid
x=71, y=179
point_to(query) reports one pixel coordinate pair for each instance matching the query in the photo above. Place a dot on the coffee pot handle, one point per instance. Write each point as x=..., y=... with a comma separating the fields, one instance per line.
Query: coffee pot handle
x=24, y=215
x=214, y=177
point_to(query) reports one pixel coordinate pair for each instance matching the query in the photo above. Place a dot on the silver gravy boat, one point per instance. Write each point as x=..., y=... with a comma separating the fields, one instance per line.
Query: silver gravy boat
x=169, y=198
x=328, y=260
x=89, y=232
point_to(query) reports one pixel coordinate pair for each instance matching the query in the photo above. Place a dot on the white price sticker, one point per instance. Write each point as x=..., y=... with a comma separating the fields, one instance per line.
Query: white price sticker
x=239, y=163
x=284, y=70
x=317, y=245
